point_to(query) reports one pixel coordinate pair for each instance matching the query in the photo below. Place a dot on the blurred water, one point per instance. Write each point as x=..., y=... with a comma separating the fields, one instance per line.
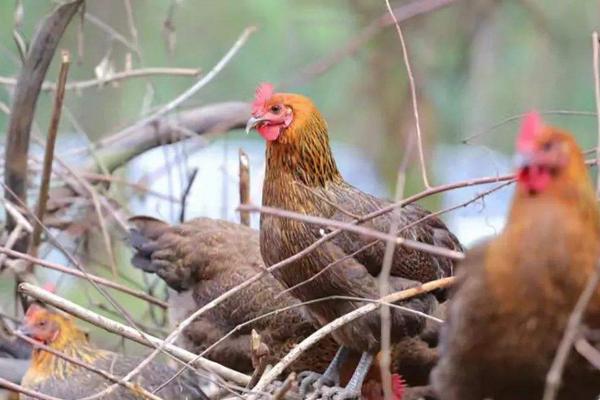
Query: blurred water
x=484, y=217
x=215, y=190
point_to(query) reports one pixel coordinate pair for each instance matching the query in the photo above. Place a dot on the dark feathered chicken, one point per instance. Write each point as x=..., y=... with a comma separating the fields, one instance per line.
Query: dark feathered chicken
x=54, y=376
x=203, y=258
x=514, y=294
x=301, y=176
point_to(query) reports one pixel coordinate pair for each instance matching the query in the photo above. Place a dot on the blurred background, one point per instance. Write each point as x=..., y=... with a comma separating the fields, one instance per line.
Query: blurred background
x=478, y=65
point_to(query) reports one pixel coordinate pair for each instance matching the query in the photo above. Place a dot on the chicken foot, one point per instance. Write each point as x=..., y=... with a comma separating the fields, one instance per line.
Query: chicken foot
x=354, y=386
x=331, y=377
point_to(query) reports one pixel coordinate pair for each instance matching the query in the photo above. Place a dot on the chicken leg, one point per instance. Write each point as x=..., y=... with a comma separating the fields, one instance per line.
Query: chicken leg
x=331, y=376
x=354, y=386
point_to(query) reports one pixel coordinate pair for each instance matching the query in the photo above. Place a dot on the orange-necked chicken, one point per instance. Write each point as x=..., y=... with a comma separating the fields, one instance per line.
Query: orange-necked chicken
x=54, y=376
x=515, y=293
x=302, y=176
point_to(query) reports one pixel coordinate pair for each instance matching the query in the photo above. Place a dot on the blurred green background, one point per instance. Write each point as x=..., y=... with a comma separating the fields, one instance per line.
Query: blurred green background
x=476, y=63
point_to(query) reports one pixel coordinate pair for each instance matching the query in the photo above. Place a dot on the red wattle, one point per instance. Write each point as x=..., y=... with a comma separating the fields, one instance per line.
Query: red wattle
x=269, y=132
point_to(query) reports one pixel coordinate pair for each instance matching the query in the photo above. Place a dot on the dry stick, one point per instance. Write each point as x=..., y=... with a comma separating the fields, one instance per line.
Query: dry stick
x=193, y=89
x=595, y=46
x=23, y=390
x=244, y=165
x=40, y=346
x=344, y=319
x=26, y=93
x=22, y=223
x=413, y=93
x=519, y=116
x=72, y=259
x=49, y=152
x=588, y=351
x=70, y=271
x=352, y=227
x=130, y=333
x=116, y=77
x=553, y=379
x=240, y=326
x=384, y=278
x=186, y=193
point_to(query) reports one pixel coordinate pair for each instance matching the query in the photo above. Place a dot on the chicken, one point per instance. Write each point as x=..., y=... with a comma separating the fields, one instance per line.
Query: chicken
x=302, y=176
x=54, y=376
x=515, y=293
x=203, y=258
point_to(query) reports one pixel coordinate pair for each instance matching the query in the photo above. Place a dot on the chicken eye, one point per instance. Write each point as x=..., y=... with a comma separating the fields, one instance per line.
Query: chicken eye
x=276, y=109
x=547, y=146
x=42, y=323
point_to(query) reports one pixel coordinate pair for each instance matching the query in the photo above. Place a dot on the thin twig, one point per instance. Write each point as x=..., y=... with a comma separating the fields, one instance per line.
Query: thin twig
x=351, y=227
x=244, y=174
x=588, y=352
x=113, y=78
x=49, y=152
x=519, y=116
x=129, y=333
x=172, y=105
x=74, y=272
x=340, y=321
x=595, y=46
x=186, y=193
x=413, y=93
x=553, y=379
x=23, y=390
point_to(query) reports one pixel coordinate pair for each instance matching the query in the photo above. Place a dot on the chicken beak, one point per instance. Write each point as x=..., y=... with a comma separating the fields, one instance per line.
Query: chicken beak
x=253, y=122
x=25, y=330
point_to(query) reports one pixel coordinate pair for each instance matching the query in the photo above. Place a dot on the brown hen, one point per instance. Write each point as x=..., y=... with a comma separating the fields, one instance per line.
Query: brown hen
x=302, y=176
x=515, y=294
x=203, y=258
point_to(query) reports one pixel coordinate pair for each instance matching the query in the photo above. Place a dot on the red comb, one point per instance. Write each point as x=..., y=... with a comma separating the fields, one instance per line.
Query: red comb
x=530, y=128
x=32, y=310
x=263, y=93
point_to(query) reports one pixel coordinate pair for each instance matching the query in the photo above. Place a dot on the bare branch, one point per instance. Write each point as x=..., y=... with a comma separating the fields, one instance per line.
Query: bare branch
x=413, y=95
x=74, y=272
x=116, y=150
x=25, y=99
x=49, y=152
x=244, y=173
x=340, y=321
x=116, y=77
x=20, y=389
x=352, y=227
x=172, y=105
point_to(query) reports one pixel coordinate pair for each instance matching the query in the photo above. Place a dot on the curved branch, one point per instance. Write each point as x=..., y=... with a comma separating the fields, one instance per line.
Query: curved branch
x=113, y=152
x=26, y=94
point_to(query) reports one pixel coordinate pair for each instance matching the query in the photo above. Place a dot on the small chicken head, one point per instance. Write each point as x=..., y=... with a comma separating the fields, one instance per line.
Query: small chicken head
x=544, y=154
x=42, y=325
x=270, y=115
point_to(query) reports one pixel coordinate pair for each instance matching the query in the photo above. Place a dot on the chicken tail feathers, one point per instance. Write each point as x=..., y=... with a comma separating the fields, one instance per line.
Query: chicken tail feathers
x=143, y=232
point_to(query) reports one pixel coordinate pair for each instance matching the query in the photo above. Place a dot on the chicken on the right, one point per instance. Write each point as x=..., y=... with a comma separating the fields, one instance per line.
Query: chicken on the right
x=515, y=293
